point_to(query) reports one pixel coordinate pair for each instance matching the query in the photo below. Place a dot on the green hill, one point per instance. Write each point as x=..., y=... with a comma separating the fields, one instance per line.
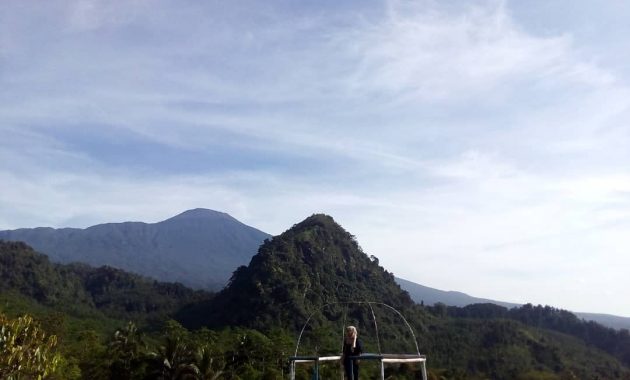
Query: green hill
x=83, y=290
x=317, y=263
x=314, y=263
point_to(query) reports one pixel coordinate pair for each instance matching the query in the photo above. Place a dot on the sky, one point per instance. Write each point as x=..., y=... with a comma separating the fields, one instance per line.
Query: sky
x=477, y=146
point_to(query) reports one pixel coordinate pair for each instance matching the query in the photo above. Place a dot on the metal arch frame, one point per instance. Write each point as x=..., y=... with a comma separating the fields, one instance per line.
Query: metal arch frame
x=383, y=358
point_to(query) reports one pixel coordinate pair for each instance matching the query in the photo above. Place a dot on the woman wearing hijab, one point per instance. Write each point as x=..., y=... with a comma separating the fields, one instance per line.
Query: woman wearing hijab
x=351, y=347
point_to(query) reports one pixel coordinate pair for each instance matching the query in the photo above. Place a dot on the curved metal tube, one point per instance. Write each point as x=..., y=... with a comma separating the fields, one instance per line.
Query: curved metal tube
x=415, y=341
x=378, y=340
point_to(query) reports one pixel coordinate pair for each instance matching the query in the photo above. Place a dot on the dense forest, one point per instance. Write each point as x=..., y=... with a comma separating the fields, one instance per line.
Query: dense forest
x=74, y=322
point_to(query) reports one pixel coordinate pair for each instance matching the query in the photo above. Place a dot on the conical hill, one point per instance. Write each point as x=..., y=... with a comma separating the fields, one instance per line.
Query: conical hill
x=316, y=262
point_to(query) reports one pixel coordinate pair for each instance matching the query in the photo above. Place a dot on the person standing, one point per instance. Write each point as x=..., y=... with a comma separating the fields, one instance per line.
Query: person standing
x=351, y=347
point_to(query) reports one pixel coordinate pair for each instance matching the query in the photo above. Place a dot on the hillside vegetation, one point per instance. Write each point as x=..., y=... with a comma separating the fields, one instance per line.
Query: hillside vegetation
x=313, y=272
x=78, y=288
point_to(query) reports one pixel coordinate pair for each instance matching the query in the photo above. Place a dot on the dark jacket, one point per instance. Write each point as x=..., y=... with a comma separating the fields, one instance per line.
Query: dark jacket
x=348, y=351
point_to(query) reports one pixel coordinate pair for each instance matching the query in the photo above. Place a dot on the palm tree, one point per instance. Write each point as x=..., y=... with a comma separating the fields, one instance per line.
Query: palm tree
x=206, y=365
x=126, y=350
x=173, y=361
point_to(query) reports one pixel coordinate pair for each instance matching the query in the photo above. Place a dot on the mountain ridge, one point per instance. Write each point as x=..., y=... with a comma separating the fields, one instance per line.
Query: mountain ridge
x=198, y=247
x=214, y=275
x=296, y=276
x=430, y=296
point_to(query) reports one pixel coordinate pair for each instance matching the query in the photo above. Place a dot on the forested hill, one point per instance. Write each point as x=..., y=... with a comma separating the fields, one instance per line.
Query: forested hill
x=199, y=248
x=74, y=287
x=429, y=296
x=316, y=262
x=614, y=342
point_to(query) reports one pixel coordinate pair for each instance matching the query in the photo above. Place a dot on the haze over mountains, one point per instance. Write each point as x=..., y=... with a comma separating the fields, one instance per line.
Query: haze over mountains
x=200, y=248
x=430, y=296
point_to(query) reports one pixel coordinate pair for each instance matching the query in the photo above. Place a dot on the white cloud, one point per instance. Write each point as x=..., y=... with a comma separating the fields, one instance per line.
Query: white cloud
x=443, y=136
x=420, y=54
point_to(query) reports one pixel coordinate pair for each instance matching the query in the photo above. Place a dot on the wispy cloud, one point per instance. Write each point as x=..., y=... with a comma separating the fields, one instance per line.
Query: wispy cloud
x=449, y=135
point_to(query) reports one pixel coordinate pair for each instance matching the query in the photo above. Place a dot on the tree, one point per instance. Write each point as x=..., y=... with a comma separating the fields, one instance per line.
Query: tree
x=173, y=361
x=127, y=351
x=26, y=351
x=208, y=367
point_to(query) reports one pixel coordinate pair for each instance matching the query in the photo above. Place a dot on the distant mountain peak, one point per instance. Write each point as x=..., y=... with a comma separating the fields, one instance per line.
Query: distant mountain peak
x=200, y=213
x=199, y=247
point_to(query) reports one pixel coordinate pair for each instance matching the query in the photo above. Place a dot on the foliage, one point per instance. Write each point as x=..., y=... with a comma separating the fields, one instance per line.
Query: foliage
x=611, y=341
x=26, y=351
x=81, y=290
x=248, y=330
x=313, y=264
x=127, y=350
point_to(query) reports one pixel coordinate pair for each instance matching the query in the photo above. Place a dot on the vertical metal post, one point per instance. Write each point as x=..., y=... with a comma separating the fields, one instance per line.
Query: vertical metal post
x=343, y=368
x=351, y=370
x=317, y=369
x=292, y=369
x=424, y=370
x=382, y=370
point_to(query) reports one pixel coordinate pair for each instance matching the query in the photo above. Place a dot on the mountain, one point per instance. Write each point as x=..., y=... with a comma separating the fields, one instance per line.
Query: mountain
x=199, y=248
x=613, y=321
x=79, y=288
x=310, y=273
x=316, y=262
x=429, y=296
x=303, y=279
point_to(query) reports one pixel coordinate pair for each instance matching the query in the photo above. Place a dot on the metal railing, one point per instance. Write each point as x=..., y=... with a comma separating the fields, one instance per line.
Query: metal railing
x=382, y=358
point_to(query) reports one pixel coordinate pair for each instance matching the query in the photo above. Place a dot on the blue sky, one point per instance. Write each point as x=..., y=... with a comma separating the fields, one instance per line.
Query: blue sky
x=479, y=146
